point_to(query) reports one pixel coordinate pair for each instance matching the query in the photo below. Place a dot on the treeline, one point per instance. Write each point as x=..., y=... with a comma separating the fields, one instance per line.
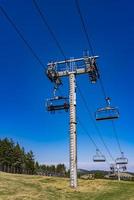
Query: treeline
x=51, y=170
x=14, y=159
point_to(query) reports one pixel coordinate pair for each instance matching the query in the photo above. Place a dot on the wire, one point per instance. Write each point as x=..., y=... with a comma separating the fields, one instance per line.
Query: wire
x=88, y=40
x=95, y=125
x=21, y=36
x=113, y=124
x=54, y=37
x=82, y=126
x=116, y=136
x=90, y=137
x=49, y=28
x=100, y=79
x=102, y=88
x=84, y=26
x=52, y=34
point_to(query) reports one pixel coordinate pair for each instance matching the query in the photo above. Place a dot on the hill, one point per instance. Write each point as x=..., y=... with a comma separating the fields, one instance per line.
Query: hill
x=28, y=187
x=84, y=171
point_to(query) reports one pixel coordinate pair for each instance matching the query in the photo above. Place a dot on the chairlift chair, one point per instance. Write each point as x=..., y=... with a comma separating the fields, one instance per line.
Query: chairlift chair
x=99, y=157
x=107, y=113
x=121, y=160
x=122, y=167
x=57, y=103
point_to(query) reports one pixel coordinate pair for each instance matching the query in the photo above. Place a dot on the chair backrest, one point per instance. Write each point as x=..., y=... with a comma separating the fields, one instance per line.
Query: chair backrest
x=98, y=157
x=57, y=103
x=107, y=113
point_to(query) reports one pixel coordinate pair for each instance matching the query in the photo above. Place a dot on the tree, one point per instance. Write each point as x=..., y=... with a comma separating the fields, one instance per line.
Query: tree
x=61, y=170
x=30, y=162
x=14, y=159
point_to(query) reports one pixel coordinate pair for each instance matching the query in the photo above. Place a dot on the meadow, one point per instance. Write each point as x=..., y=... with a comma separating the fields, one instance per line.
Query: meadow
x=26, y=187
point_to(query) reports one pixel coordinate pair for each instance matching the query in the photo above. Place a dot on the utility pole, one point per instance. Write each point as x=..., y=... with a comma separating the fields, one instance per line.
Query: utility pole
x=71, y=68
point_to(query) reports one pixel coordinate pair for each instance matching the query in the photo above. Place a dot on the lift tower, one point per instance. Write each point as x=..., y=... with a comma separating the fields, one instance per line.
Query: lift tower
x=70, y=68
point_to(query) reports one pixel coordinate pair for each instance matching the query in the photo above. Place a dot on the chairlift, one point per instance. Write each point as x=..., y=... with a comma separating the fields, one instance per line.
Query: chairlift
x=57, y=103
x=99, y=157
x=107, y=113
x=121, y=160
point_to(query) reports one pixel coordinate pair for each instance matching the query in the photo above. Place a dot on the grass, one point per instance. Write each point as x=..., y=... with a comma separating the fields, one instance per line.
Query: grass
x=22, y=187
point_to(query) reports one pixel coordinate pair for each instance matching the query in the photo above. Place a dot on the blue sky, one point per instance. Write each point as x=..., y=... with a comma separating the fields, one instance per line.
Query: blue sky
x=24, y=87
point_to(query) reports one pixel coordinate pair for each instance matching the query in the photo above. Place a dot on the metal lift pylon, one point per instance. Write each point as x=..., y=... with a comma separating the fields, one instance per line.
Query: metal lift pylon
x=69, y=68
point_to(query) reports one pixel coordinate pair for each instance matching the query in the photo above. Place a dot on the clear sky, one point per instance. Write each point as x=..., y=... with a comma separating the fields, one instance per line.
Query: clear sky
x=24, y=87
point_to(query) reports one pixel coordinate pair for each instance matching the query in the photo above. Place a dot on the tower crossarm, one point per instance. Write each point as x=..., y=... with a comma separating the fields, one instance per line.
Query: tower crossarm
x=72, y=60
x=82, y=70
x=77, y=66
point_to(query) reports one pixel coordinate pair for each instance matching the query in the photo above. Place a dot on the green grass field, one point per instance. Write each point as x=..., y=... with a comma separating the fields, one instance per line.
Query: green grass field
x=22, y=187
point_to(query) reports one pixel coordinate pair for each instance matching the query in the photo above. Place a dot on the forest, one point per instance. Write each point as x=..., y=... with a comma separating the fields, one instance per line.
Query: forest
x=14, y=159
